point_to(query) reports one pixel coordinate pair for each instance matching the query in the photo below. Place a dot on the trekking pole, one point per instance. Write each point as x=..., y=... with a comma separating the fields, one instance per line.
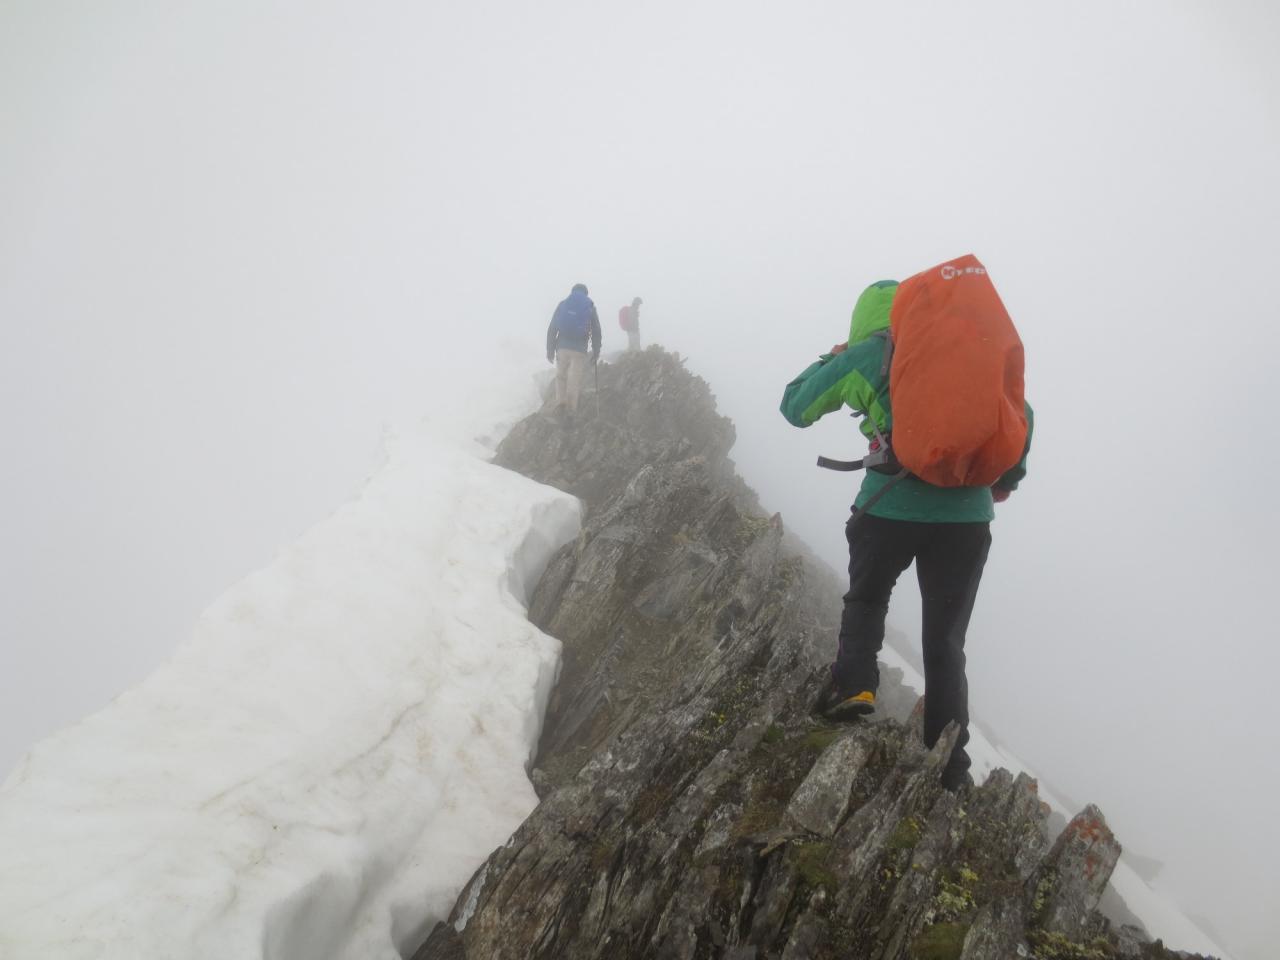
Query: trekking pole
x=595, y=365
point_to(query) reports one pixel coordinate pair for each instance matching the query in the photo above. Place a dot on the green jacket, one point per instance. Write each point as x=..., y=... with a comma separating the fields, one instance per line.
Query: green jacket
x=857, y=379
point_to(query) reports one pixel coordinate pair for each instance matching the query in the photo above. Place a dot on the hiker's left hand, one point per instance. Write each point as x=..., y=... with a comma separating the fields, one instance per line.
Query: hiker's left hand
x=839, y=348
x=1000, y=494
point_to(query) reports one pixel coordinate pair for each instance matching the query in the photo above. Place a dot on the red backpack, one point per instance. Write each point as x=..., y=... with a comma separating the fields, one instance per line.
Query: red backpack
x=624, y=318
x=956, y=380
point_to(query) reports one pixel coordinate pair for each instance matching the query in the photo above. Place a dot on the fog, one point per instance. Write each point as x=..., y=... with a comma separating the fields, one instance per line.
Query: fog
x=237, y=239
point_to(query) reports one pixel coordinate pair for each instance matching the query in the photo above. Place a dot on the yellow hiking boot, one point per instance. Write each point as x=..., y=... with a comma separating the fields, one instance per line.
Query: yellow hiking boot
x=859, y=705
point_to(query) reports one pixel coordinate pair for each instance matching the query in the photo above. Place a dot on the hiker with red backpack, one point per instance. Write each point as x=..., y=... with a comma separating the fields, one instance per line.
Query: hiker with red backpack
x=936, y=367
x=629, y=320
x=574, y=332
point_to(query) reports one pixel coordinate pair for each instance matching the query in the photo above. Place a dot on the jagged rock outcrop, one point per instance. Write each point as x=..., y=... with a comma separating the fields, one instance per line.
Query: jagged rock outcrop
x=692, y=805
x=1075, y=874
x=645, y=411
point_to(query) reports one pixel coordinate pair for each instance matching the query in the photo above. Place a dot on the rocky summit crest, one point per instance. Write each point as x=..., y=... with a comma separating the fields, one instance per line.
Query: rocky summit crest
x=692, y=806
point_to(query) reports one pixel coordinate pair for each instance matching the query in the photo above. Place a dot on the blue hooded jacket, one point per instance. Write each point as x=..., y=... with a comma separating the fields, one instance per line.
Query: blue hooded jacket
x=575, y=325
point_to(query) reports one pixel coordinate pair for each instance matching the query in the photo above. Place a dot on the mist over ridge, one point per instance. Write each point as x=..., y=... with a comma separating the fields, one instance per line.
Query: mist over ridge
x=238, y=240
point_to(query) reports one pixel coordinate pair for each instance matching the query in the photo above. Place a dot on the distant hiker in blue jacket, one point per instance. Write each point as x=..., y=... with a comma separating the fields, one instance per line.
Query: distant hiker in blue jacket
x=573, y=334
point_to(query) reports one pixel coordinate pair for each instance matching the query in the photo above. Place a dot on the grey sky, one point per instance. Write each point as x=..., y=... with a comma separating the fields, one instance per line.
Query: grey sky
x=236, y=238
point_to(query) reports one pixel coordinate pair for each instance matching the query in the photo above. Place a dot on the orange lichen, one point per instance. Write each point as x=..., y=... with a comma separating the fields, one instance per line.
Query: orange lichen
x=1091, y=864
x=1090, y=829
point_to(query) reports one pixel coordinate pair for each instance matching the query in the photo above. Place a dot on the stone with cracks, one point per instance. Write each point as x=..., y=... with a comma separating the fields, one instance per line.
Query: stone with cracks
x=1075, y=874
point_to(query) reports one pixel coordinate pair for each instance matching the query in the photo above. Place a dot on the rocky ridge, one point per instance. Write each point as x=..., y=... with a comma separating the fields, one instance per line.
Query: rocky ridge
x=691, y=804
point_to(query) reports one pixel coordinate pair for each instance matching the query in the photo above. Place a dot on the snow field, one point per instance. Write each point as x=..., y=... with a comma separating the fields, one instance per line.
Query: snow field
x=323, y=764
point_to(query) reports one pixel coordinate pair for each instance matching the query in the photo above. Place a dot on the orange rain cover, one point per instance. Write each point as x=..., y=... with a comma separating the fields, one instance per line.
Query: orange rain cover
x=956, y=381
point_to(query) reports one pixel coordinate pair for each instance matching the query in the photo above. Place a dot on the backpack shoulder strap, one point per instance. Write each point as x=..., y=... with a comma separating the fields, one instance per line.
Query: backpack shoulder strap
x=893, y=482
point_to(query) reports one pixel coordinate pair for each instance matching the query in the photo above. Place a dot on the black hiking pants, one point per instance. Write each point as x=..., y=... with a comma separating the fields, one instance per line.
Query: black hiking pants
x=949, y=560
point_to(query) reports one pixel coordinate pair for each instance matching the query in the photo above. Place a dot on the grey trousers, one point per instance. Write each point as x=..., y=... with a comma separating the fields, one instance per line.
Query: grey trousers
x=949, y=559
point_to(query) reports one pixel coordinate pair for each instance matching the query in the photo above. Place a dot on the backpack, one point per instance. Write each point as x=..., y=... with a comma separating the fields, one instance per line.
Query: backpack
x=624, y=318
x=956, y=380
x=573, y=315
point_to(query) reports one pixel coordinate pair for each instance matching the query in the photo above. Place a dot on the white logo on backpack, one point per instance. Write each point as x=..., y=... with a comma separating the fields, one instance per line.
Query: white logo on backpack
x=950, y=273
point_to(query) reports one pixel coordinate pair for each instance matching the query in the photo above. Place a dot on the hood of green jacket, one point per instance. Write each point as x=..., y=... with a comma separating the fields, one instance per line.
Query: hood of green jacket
x=871, y=312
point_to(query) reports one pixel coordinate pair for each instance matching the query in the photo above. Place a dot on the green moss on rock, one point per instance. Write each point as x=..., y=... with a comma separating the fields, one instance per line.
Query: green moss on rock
x=760, y=816
x=810, y=860
x=905, y=835
x=942, y=941
x=819, y=740
x=1055, y=946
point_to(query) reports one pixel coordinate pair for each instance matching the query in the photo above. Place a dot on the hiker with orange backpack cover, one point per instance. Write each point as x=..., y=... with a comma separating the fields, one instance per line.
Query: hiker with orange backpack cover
x=936, y=367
